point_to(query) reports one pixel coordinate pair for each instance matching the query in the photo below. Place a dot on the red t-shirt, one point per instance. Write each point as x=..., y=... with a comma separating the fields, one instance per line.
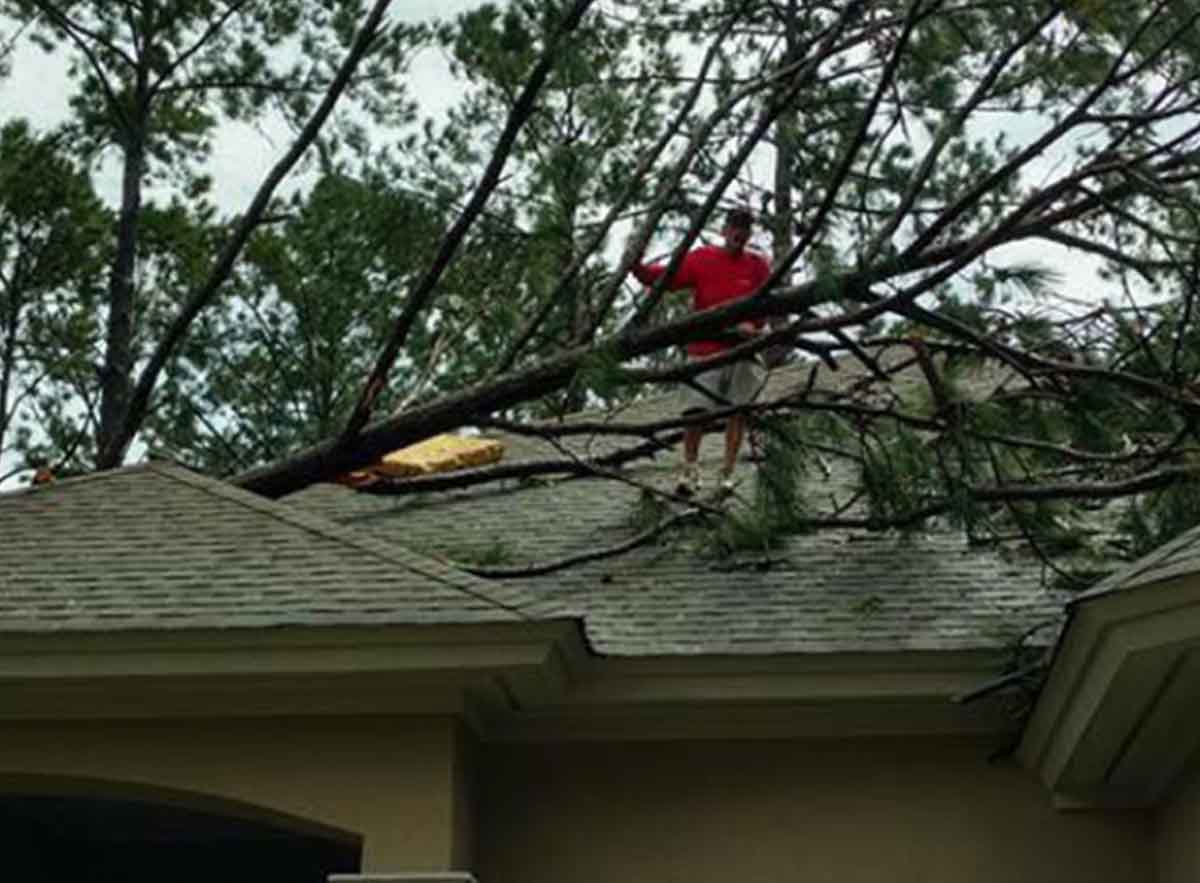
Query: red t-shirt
x=716, y=277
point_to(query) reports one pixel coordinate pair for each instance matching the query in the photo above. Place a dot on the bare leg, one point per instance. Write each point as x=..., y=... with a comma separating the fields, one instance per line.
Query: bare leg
x=691, y=444
x=735, y=428
x=689, y=474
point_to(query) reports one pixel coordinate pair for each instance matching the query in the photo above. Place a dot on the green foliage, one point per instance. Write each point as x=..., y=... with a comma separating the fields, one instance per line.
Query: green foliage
x=154, y=83
x=601, y=106
x=600, y=374
x=648, y=511
x=779, y=484
x=53, y=233
x=133, y=84
x=898, y=474
x=1155, y=518
x=313, y=298
x=777, y=506
x=749, y=530
x=498, y=554
x=867, y=606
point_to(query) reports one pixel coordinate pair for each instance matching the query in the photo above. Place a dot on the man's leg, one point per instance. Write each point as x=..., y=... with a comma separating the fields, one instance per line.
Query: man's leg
x=691, y=443
x=689, y=471
x=745, y=384
x=735, y=429
x=702, y=394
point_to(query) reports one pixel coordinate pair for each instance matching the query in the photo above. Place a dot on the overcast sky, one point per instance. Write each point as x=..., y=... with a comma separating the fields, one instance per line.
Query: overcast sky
x=38, y=89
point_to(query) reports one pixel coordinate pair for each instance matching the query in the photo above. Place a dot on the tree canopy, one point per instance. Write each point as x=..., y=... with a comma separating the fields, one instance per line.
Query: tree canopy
x=983, y=213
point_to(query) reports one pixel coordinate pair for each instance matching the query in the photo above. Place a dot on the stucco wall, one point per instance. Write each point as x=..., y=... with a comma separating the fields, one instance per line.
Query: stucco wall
x=465, y=780
x=715, y=812
x=1179, y=836
x=388, y=780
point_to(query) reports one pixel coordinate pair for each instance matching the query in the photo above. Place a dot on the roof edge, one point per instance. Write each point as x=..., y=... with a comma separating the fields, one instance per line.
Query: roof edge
x=407, y=559
x=1123, y=676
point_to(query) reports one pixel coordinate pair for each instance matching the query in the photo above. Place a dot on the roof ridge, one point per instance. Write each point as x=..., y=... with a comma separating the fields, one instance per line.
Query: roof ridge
x=1131, y=573
x=331, y=530
x=608, y=412
x=59, y=483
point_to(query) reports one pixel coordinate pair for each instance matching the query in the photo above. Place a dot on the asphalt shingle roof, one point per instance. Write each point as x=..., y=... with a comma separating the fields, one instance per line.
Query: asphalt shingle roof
x=158, y=547
x=831, y=591
x=1179, y=557
x=849, y=591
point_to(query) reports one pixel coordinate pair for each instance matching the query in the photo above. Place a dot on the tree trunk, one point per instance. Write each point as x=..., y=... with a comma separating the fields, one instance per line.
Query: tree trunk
x=782, y=221
x=116, y=376
x=8, y=360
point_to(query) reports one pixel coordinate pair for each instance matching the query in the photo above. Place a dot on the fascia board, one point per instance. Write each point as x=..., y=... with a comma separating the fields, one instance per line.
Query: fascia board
x=757, y=697
x=1099, y=684
x=278, y=651
x=751, y=720
x=982, y=662
x=501, y=677
x=763, y=686
x=403, y=670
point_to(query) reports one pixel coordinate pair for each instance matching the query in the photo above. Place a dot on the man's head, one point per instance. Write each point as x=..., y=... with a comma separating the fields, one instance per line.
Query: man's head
x=738, y=224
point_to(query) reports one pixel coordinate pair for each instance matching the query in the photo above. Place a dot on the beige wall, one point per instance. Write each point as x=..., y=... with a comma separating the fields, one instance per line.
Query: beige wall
x=723, y=812
x=1179, y=836
x=465, y=778
x=880, y=811
x=388, y=780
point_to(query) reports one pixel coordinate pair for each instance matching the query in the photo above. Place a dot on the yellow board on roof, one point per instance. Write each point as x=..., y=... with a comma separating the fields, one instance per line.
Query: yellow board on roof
x=442, y=453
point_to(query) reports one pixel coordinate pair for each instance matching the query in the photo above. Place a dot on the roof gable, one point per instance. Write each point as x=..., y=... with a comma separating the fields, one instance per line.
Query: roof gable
x=157, y=546
x=1179, y=557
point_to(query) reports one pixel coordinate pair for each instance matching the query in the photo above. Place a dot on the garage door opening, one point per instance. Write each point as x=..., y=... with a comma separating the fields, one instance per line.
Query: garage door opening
x=74, y=839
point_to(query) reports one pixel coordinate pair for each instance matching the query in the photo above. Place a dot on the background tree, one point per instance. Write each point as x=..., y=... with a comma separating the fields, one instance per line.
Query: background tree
x=53, y=238
x=278, y=368
x=153, y=82
x=571, y=165
x=905, y=196
x=941, y=144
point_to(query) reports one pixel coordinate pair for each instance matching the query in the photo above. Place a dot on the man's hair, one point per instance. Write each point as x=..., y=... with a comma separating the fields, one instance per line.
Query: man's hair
x=741, y=218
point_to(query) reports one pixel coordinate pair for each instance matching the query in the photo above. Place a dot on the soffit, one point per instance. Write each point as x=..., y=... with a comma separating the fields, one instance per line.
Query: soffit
x=1117, y=720
x=510, y=681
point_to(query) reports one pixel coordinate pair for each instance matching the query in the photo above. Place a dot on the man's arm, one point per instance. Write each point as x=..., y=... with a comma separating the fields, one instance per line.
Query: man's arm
x=684, y=277
x=754, y=327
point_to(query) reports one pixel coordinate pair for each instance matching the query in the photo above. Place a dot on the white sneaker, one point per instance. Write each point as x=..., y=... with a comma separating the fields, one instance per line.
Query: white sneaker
x=688, y=483
x=727, y=483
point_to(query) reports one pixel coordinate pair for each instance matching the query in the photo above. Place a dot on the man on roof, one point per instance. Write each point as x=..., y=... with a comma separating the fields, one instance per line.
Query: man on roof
x=717, y=275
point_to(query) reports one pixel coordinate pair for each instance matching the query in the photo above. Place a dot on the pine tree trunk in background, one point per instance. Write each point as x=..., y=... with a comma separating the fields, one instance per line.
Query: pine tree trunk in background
x=782, y=222
x=8, y=358
x=116, y=376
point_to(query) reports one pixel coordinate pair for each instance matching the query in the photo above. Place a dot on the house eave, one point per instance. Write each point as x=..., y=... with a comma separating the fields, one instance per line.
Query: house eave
x=528, y=681
x=1111, y=724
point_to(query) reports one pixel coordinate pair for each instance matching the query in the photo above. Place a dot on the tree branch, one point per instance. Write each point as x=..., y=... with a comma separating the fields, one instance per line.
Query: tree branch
x=641, y=539
x=229, y=254
x=422, y=292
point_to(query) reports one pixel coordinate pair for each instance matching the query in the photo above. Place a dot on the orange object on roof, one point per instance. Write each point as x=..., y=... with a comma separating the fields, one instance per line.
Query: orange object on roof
x=362, y=478
x=442, y=453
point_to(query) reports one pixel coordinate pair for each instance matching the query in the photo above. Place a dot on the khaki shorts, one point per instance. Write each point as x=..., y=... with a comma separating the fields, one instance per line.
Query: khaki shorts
x=738, y=383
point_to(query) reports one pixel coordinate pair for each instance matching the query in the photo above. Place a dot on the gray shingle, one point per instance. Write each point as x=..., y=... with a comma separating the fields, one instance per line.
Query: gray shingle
x=1180, y=556
x=844, y=591
x=157, y=546
x=834, y=591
